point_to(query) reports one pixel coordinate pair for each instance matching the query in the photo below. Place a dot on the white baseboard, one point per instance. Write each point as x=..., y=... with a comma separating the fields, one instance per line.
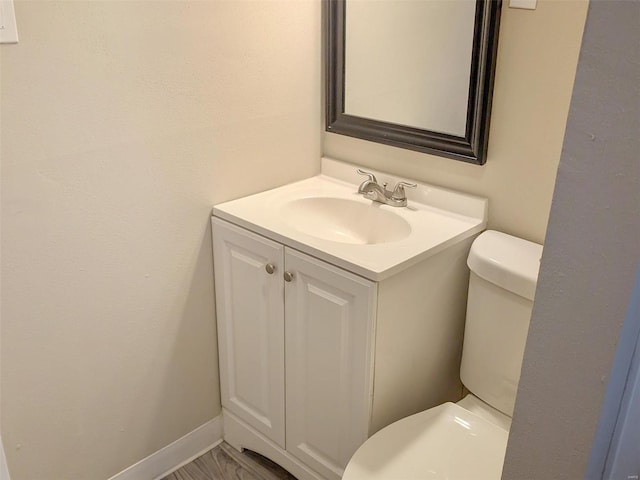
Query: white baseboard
x=176, y=454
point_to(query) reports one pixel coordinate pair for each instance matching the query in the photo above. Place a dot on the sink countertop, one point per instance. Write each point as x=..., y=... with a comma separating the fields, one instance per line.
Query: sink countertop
x=437, y=217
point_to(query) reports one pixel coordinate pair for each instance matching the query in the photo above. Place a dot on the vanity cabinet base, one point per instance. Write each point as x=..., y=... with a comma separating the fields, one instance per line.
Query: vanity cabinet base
x=241, y=436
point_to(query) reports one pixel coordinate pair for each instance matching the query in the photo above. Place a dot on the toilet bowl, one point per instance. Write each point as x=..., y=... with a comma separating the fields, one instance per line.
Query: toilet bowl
x=468, y=439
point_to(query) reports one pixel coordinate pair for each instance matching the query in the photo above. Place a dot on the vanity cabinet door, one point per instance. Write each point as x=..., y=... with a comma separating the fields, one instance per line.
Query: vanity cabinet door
x=329, y=317
x=250, y=314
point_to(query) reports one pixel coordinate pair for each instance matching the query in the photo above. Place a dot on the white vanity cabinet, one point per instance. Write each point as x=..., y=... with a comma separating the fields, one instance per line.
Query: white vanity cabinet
x=329, y=317
x=337, y=315
x=293, y=331
x=250, y=314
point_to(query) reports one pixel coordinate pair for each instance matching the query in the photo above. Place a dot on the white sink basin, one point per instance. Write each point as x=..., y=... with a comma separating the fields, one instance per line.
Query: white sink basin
x=344, y=220
x=324, y=216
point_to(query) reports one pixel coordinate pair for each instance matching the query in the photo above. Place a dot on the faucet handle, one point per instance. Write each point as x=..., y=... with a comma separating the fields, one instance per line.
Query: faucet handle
x=372, y=177
x=398, y=191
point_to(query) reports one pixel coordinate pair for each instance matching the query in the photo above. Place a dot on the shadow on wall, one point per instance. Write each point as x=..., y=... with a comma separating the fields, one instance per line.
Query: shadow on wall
x=4, y=473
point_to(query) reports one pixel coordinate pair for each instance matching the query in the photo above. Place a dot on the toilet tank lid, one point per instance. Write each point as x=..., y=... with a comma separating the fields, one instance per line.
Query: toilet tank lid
x=509, y=262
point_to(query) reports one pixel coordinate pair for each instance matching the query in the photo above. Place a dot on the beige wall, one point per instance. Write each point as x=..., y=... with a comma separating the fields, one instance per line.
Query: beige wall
x=537, y=57
x=122, y=124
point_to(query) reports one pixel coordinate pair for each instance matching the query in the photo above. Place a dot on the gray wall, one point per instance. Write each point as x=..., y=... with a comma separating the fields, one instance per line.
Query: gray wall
x=590, y=258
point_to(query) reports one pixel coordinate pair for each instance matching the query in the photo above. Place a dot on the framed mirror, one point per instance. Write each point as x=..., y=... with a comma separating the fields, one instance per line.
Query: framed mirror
x=415, y=74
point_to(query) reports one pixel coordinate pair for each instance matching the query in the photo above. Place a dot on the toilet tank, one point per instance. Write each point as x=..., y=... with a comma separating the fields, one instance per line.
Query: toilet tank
x=504, y=272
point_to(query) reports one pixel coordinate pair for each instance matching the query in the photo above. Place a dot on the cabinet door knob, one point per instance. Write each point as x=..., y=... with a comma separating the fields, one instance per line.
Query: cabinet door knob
x=270, y=268
x=288, y=276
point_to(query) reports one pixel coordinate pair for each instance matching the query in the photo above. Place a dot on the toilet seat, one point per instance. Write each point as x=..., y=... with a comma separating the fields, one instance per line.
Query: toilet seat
x=444, y=442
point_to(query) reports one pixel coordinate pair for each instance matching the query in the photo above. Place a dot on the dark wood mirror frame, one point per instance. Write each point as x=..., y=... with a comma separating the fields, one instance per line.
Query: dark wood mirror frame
x=472, y=147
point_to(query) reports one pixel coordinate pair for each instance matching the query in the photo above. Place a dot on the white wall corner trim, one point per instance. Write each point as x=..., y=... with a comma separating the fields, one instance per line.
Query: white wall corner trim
x=176, y=454
x=4, y=470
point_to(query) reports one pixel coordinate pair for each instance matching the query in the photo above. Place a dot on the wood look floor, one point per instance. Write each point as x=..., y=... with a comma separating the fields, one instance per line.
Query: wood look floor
x=226, y=463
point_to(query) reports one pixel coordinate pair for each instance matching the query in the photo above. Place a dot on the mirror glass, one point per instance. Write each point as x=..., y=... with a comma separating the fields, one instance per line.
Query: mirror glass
x=408, y=62
x=415, y=74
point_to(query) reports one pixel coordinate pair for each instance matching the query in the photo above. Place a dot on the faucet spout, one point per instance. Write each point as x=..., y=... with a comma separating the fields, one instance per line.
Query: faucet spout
x=372, y=190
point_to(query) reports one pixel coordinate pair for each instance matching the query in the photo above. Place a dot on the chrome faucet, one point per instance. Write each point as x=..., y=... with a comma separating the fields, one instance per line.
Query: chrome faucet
x=372, y=190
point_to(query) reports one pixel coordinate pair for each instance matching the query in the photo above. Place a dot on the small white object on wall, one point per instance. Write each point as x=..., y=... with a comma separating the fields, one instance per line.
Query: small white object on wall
x=525, y=4
x=8, y=28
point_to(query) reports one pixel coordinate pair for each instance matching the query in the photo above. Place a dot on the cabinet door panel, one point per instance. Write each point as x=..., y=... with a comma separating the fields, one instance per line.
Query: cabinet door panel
x=250, y=313
x=329, y=316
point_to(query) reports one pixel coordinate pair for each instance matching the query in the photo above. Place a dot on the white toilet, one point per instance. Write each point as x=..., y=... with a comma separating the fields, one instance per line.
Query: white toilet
x=468, y=439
